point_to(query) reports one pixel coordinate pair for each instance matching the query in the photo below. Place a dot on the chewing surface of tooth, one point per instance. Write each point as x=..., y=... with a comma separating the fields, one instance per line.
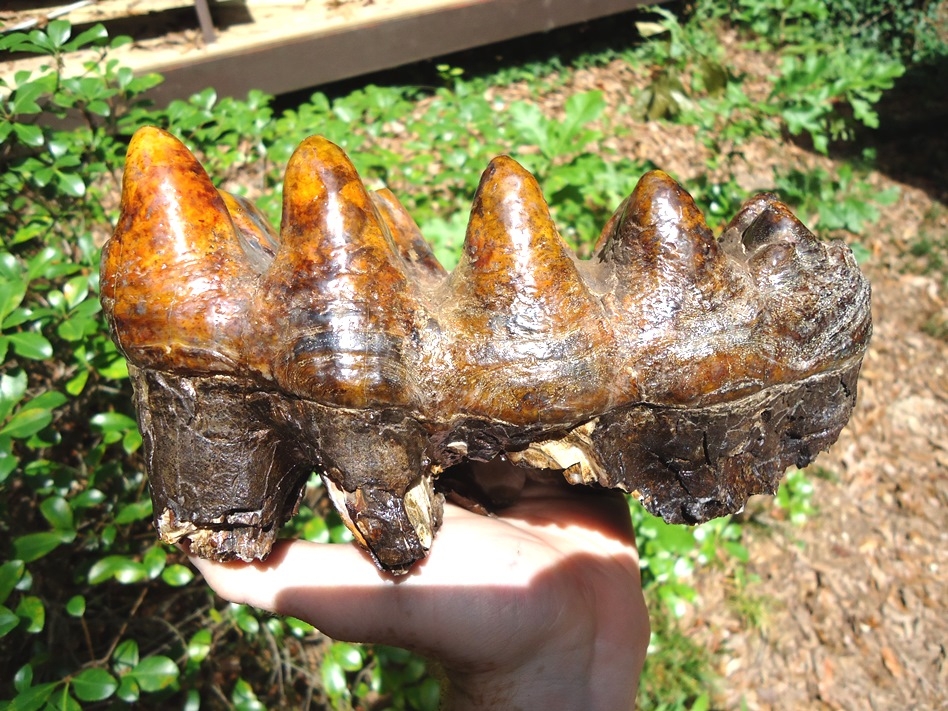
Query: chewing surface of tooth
x=686, y=369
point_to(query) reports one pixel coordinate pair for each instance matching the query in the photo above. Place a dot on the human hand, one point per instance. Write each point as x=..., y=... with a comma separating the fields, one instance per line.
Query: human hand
x=538, y=608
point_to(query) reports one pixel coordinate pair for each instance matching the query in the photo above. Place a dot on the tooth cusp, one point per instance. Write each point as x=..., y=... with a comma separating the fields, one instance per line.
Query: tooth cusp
x=687, y=370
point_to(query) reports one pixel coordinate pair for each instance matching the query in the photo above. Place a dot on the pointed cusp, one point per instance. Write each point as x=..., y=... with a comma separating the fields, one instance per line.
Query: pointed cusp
x=337, y=305
x=528, y=331
x=174, y=277
x=412, y=246
x=658, y=228
x=257, y=238
x=664, y=255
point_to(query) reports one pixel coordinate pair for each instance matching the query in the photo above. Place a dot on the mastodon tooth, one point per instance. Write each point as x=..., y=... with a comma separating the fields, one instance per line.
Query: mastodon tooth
x=175, y=281
x=257, y=238
x=805, y=320
x=662, y=249
x=687, y=371
x=323, y=295
x=411, y=244
x=519, y=308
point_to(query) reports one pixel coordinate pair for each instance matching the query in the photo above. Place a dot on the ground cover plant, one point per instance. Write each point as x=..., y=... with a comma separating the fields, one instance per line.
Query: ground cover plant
x=93, y=611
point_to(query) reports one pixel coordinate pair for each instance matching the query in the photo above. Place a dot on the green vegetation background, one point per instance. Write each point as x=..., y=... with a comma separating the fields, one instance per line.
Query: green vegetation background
x=93, y=611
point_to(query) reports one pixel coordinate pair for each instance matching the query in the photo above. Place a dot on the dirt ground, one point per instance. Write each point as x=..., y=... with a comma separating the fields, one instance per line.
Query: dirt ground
x=851, y=609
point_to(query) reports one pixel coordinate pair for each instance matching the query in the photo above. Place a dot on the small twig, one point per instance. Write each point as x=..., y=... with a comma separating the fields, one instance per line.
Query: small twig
x=52, y=15
x=121, y=632
x=85, y=631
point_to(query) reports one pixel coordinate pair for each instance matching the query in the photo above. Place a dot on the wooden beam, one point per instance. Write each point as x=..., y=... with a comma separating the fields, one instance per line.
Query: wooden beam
x=295, y=61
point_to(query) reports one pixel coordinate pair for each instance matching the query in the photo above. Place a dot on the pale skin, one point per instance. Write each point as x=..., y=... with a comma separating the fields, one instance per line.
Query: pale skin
x=538, y=608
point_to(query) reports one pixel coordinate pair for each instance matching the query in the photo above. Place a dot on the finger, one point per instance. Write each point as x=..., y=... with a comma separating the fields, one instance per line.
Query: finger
x=339, y=590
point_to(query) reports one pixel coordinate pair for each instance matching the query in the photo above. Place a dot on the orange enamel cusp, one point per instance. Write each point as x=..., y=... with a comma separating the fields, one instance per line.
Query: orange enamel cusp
x=349, y=307
x=688, y=369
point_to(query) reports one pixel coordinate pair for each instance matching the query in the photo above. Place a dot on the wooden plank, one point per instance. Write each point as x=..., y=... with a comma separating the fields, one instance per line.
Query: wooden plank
x=296, y=60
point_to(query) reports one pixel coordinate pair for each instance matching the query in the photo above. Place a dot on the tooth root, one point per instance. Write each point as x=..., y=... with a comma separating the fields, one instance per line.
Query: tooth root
x=517, y=296
x=331, y=340
x=411, y=244
x=174, y=277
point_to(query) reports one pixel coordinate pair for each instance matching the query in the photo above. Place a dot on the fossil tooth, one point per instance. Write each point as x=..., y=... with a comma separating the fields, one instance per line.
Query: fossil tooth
x=339, y=306
x=687, y=371
x=175, y=282
x=257, y=238
x=807, y=319
x=322, y=293
x=412, y=246
x=662, y=248
x=522, y=310
x=222, y=475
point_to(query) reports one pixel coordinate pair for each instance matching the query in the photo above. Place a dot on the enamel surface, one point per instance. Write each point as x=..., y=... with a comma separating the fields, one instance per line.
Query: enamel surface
x=686, y=369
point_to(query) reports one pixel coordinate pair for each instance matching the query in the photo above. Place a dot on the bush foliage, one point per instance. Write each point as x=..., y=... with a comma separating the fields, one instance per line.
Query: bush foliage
x=92, y=609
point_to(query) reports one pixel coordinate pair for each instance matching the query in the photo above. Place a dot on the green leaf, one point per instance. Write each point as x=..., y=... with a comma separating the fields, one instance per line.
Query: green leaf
x=200, y=645
x=125, y=657
x=117, y=369
x=244, y=698
x=128, y=690
x=71, y=184
x=154, y=561
x=334, y=677
x=64, y=701
x=348, y=656
x=316, y=530
x=89, y=497
x=49, y=400
x=94, y=34
x=29, y=134
x=94, y=685
x=12, y=390
x=246, y=620
x=298, y=628
x=33, y=698
x=10, y=574
x=76, y=606
x=76, y=290
x=155, y=673
x=8, y=620
x=57, y=511
x=77, y=383
x=26, y=423
x=123, y=569
x=11, y=296
x=427, y=695
x=113, y=422
x=34, y=546
x=58, y=32
x=23, y=679
x=32, y=610
x=581, y=109
x=134, y=512
x=131, y=441
x=192, y=701
x=177, y=575
x=8, y=462
x=30, y=344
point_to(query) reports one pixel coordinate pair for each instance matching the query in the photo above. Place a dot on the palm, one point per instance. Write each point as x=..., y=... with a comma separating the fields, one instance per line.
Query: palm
x=546, y=591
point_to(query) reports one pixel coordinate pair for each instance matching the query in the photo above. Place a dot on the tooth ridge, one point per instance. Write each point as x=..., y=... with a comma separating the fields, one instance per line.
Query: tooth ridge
x=336, y=264
x=176, y=289
x=518, y=296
